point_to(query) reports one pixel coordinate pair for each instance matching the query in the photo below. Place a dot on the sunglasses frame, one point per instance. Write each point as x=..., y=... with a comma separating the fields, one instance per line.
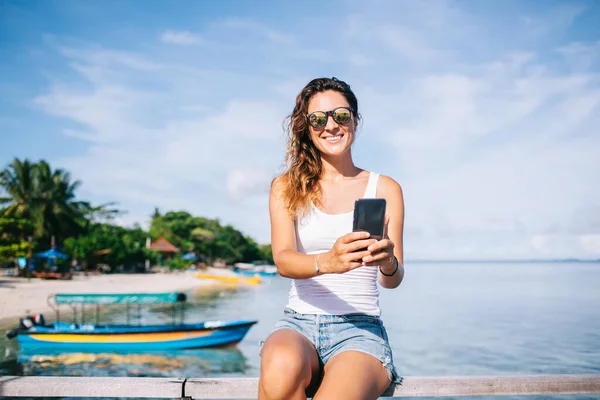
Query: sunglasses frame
x=327, y=115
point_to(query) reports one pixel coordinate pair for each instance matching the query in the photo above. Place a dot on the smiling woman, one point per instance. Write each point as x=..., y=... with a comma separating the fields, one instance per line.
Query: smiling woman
x=330, y=342
x=305, y=148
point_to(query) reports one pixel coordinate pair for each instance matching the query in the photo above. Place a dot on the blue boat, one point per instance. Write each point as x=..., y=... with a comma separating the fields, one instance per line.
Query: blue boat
x=34, y=333
x=255, y=273
x=256, y=268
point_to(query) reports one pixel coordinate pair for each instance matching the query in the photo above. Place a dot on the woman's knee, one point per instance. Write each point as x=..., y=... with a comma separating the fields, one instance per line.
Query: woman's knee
x=288, y=362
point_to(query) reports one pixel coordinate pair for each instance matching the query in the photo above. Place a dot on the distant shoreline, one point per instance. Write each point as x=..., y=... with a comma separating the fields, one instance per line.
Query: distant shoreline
x=20, y=297
x=513, y=261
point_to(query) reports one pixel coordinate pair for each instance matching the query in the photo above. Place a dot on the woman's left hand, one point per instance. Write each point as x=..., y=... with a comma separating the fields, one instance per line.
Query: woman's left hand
x=382, y=251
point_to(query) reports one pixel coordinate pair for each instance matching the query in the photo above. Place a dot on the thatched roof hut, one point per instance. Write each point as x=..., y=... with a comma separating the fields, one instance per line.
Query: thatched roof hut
x=162, y=245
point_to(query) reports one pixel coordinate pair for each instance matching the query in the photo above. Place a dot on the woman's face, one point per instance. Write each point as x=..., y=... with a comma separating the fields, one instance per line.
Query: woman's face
x=333, y=138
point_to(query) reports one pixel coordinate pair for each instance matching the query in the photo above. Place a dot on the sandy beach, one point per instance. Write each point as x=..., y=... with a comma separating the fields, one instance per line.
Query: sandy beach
x=18, y=297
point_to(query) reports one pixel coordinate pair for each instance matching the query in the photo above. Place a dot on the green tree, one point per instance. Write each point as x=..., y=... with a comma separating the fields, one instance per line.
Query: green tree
x=204, y=236
x=41, y=202
x=101, y=213
x=111, y=245
x=12, y=244
x=19, y=187
x=58, y=212
x=43, y=196
x=267, y=252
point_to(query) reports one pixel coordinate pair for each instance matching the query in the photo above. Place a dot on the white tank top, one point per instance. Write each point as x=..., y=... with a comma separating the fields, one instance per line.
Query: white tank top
x=333, y=294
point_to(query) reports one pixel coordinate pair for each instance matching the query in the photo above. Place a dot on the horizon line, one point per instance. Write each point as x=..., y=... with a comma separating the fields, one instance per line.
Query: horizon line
x=504, y=260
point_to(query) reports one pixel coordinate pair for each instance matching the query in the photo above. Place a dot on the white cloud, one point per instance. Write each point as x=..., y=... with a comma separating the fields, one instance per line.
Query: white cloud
x=155, y=148
x=182, y=38
x=591, y=244
x=248, y=183
x=496, y=149
x=580, y=56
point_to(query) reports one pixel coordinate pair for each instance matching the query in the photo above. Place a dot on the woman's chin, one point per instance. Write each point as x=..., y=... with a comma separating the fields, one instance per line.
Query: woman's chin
x=335, y=151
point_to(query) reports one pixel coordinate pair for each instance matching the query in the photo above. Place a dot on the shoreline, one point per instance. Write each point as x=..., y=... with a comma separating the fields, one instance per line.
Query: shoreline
x=19, y=297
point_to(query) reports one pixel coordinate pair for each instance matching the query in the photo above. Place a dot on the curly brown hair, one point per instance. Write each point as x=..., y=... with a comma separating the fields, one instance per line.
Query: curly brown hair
x=299, y=184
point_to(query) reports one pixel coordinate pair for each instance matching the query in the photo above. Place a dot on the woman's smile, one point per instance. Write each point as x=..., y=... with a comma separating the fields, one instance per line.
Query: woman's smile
x=334, y=138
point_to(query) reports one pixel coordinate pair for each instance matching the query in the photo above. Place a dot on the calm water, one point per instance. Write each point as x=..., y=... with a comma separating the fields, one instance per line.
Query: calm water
x=445, y=319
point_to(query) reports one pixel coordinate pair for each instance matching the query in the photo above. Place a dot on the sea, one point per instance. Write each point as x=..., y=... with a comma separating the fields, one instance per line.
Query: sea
x=445, y=319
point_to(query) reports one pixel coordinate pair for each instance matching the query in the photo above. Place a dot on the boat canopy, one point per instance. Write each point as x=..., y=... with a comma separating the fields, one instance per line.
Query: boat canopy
x=118, y=298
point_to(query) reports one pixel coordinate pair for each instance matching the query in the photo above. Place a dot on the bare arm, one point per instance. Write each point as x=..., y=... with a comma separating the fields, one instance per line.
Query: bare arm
x=392, y=192
x=290, y=263
x=344, y=255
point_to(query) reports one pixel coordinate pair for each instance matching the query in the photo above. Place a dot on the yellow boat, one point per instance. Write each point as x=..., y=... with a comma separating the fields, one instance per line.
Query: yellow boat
x=254, y=280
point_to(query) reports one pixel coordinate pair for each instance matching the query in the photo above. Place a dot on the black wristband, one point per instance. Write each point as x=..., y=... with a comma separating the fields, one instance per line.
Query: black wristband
x=393, y=273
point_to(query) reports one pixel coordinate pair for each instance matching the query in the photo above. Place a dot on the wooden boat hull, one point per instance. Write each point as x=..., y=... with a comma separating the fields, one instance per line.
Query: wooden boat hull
x=118, y=338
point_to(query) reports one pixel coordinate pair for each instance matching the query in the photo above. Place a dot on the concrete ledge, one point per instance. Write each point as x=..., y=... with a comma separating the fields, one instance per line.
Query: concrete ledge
x=70, y=386
x=225, y=388
x=496, y=385
x=246, y=388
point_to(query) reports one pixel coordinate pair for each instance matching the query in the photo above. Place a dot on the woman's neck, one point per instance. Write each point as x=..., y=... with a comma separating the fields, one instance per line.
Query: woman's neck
x=335, y=168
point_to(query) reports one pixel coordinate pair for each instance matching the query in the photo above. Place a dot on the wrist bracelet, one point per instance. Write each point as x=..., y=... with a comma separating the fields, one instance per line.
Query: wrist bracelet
x=395, y=270
x=317, y=265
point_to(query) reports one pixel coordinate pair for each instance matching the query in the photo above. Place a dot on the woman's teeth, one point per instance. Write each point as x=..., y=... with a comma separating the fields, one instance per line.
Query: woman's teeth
x=333, y=138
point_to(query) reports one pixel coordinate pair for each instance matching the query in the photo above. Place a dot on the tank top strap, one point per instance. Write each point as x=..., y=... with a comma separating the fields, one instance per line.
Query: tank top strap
x=371, y=191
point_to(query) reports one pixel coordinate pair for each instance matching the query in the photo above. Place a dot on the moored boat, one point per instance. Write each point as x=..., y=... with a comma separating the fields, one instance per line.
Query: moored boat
x=257, y=268
x=228, y=276
x=265, y=272
x=34, y=333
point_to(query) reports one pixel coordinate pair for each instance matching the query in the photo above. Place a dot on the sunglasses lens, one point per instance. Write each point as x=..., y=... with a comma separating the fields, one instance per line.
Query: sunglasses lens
x=342, y=116
x=318, y=119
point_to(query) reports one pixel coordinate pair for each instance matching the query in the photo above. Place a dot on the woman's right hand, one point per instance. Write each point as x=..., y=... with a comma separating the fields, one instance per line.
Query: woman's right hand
x=346, y=254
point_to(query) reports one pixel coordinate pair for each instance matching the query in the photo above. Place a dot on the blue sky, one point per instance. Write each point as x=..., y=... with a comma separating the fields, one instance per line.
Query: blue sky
x=487, y=113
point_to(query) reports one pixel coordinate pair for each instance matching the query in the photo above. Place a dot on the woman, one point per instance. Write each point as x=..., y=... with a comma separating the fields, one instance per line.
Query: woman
x=330, y=341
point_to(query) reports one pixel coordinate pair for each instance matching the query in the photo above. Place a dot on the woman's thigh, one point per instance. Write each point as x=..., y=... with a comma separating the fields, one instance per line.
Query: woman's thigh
x=353, y=375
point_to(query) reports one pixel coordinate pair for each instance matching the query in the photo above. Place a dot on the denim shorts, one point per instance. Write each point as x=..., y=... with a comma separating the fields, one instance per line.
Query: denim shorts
x=334, y=334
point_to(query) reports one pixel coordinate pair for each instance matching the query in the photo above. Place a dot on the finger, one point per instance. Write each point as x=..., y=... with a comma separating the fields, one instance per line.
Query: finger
x=380, y=245
x=355, y=265
x=371, y=264
x=356, y=256
x=352, y=265
x=385, y=225
x=377, y=257
x=359, y=245
x=353, y=236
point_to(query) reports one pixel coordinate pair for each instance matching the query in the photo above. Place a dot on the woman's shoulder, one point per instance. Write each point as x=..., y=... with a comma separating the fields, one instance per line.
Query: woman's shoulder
x=388, y=186
x=279, y=186
x=278, y=182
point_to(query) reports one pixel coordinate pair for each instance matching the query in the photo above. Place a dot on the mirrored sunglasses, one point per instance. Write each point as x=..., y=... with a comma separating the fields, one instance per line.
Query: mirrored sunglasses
x=341, y=115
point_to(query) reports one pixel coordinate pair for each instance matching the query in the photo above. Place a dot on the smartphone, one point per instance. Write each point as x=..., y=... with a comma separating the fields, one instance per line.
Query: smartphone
x=369, y=215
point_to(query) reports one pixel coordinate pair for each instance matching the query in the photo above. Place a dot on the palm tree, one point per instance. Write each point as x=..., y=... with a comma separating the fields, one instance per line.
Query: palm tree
x=18, y=183
x=45, y=197
x=59, y=213
x=101, y=213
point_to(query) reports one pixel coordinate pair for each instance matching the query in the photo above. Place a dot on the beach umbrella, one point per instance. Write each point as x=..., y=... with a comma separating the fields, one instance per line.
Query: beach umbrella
x=189, y=256
x=52, y=253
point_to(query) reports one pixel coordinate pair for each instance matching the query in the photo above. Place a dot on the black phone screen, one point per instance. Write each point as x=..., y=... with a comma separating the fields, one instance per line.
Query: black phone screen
x=369, y=215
